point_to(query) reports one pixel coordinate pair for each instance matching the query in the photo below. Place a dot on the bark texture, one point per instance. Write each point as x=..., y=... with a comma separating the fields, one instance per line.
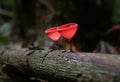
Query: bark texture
x=58, y=65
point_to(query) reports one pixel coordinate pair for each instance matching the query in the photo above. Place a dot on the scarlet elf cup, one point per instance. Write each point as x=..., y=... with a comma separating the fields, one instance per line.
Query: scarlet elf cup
x=68, y=30
x=53, y=34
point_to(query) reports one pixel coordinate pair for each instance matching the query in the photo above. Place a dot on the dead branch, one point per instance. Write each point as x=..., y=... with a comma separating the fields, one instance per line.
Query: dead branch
x=58, y=65
x=6, y=13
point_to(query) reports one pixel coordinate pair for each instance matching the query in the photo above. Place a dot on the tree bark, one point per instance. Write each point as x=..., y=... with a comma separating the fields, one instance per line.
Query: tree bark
x=58, y=65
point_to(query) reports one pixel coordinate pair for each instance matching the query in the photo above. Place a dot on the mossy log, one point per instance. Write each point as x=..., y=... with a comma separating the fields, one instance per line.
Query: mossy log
x=58, y=65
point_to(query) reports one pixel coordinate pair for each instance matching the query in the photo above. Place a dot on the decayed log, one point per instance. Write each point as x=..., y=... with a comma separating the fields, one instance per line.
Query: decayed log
x=58, y=65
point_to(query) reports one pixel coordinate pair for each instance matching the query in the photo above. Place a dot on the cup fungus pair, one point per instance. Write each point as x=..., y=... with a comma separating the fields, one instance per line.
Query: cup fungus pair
x=66, y=30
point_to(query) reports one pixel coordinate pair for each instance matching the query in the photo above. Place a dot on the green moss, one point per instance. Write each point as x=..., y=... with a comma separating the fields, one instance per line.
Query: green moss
x=3, y=40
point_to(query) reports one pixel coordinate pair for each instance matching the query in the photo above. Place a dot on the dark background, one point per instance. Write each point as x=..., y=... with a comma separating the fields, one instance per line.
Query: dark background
x=26, y=20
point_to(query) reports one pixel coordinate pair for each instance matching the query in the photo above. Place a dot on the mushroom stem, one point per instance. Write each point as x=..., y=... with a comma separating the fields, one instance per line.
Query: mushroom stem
x=71, y=46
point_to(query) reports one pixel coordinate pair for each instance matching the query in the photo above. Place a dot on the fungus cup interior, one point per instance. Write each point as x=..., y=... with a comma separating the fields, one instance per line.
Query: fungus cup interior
x=68, y=30
x=53, y=33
